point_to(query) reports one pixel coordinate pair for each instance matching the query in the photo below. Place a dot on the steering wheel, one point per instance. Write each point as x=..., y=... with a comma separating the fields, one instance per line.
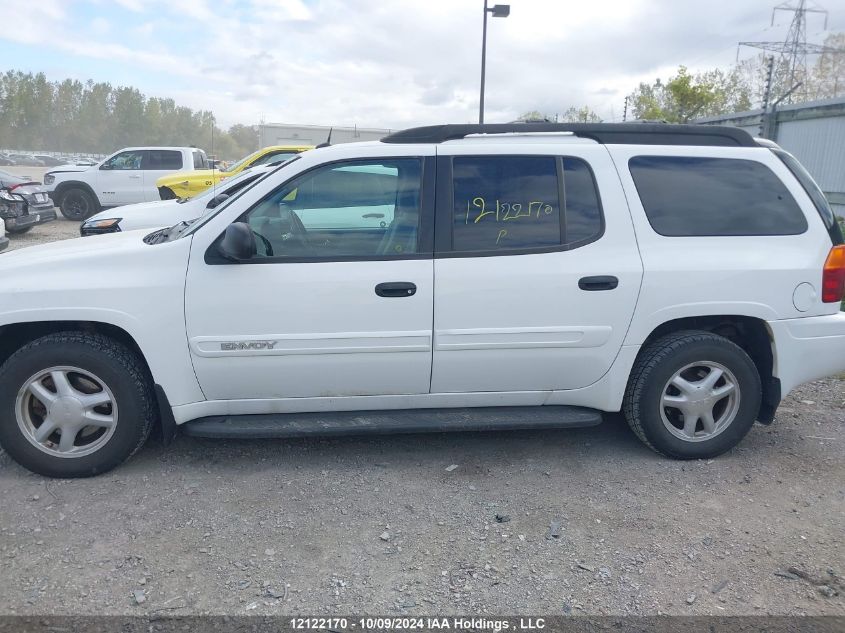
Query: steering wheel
x=298, y=231
x=267, y=245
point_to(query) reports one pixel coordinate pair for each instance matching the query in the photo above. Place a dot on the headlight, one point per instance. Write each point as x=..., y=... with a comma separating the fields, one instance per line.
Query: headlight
x=49, y=179
x=5, y=195
x=107, y=223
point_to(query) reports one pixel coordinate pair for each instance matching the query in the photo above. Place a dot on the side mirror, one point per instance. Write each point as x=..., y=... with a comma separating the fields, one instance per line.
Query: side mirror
x=106, y=166
x=238, y=242
x=220, y=197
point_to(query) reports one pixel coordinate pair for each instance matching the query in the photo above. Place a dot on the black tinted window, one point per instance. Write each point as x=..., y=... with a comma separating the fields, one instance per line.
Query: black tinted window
x=163, y=159
x=688, y=196
x=505, y=202
x=200, y=161
x=582, y=208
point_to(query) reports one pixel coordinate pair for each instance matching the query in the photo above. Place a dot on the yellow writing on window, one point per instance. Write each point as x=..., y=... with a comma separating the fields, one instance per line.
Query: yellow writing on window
x=478, y=208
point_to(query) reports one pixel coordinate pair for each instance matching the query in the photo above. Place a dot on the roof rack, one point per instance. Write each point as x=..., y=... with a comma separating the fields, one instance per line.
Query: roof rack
x=604, y=133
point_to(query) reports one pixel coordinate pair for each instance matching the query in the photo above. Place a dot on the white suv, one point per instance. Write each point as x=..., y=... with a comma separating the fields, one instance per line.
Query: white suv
x=456, y=277
x=126, y=177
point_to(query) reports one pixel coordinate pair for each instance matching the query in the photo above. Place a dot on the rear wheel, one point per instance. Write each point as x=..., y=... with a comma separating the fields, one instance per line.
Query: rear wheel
x=78, y=204
x=74, y=404
x=692, y=395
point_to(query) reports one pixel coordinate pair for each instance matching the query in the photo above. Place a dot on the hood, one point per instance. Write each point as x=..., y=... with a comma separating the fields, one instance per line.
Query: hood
x=67, y=168
x=197, y=174
x=127, y=210
x=82, y=252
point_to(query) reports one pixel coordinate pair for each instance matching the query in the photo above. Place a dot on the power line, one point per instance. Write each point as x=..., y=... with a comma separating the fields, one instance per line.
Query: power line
x=791, y=66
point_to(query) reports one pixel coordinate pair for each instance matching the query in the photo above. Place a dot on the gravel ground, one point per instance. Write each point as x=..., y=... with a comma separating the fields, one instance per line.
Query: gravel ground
x=581, y=521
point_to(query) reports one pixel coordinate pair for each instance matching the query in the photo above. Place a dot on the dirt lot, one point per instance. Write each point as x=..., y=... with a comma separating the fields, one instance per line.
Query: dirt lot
x=388, y=525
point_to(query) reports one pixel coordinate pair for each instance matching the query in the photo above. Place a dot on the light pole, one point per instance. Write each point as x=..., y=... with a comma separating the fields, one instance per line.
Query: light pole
x=498, y=11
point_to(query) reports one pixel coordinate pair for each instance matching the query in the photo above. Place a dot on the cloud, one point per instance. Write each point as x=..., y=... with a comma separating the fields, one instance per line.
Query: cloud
x=392, y=64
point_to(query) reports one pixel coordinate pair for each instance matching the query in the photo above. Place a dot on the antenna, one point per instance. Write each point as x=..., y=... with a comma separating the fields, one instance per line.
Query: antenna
x=791, y=66
x=328, y=140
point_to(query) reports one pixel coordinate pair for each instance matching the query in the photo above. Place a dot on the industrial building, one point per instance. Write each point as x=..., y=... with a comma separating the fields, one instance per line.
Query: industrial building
x=286, y=134
x=814, y=132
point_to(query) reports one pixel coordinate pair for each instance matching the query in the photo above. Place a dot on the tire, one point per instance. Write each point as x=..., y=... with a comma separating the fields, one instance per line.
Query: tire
x=21, y=231
x=96, y=369
x=689, y=359
x=78, y=204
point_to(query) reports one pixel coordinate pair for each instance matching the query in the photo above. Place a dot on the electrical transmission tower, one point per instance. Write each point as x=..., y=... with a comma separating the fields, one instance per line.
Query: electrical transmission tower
x=791, y=65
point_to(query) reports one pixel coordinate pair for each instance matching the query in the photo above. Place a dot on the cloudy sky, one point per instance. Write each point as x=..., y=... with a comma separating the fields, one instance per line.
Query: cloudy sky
x=384, y=63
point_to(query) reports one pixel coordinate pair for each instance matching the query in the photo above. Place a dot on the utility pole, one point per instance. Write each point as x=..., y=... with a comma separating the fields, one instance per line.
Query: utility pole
x=497, y=11
x=764, y=117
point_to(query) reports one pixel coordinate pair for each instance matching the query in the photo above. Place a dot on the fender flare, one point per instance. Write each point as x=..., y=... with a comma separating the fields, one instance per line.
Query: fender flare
x=62, y=188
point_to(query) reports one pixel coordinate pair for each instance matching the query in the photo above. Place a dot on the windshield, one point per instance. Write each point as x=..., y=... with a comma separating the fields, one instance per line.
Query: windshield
x=242, y=161
x=189, y=228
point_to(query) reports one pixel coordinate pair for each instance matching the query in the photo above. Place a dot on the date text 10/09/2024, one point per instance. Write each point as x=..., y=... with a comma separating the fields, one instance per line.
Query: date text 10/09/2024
x=418, y=624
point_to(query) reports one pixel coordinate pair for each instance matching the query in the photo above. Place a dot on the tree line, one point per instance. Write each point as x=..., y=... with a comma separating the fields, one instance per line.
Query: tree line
x=76, y=117
x=687, y=96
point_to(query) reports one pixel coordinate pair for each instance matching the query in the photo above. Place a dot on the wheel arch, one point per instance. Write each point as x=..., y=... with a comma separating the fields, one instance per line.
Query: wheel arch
x=63, y=187
x=752, y=334
x=14, y=336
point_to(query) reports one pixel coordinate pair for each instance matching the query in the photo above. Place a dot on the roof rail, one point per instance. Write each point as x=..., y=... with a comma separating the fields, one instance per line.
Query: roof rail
x=604, y=133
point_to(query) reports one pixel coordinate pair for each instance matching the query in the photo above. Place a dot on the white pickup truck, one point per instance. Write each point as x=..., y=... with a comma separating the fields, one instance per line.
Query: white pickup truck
x=126, y=177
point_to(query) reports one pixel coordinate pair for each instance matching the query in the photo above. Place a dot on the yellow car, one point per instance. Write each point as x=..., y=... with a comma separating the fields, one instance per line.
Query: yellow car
x=187, y=184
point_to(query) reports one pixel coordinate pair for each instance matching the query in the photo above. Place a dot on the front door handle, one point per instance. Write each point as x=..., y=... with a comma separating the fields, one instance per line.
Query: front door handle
x=598, y=282
x=396, y=289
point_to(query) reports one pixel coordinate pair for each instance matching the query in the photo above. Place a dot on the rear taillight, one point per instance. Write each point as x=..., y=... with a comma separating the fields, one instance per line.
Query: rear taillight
x=833, y=277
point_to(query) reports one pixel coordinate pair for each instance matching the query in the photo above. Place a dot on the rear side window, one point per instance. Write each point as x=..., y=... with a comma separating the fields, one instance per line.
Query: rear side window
x=163, y=159
x=692, y=196
x=503, y=203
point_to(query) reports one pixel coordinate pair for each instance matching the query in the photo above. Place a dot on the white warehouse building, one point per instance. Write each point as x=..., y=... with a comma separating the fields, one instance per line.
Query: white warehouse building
x=287, y=134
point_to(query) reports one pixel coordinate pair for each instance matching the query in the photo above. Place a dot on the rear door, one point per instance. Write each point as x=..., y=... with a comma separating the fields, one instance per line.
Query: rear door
x=536, y=272
x=158, y=163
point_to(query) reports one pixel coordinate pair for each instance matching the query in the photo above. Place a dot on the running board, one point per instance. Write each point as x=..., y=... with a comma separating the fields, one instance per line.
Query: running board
x=337, y=423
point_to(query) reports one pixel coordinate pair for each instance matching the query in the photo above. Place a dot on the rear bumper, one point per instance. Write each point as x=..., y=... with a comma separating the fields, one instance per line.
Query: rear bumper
x=808, y=348
x=35, y=216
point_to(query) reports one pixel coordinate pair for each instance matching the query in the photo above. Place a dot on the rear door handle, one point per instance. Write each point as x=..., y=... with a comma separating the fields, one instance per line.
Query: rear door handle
x=598, y=282
x=396, y=289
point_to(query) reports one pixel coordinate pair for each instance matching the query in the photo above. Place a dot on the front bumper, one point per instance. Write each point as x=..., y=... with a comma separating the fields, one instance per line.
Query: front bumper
x=808, y=348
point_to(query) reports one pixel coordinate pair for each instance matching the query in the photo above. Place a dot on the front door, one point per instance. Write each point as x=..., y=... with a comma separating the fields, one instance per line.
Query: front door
x=121, y=179
x=337, y=300
x=537, y=274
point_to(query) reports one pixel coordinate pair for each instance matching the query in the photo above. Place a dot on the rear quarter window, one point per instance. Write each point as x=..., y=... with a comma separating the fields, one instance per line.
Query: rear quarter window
x=163, y=159
x=686, y=196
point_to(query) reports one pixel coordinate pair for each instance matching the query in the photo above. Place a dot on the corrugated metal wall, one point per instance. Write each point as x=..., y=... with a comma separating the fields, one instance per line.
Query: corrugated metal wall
x=820, y=146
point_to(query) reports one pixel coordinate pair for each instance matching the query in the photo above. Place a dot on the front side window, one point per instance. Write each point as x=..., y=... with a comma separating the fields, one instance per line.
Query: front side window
x=125, y=161
x=352, y=209
x=163, y=159
x=694, y=196
x=200, y=160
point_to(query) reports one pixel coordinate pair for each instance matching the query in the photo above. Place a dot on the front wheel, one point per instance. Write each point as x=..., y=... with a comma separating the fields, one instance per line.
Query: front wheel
x=78, y=204
x=74, y=404
x=17, y=231
x=692, y=395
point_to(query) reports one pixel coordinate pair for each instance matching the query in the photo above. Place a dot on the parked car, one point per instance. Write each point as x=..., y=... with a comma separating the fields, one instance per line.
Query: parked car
x=187, y=185
x=49, y=161
x=162, y=213
x=4, y=241
x=23, y=203
x=26, y=159
x=126, y=177
x=540, y=279
x=6, y=160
